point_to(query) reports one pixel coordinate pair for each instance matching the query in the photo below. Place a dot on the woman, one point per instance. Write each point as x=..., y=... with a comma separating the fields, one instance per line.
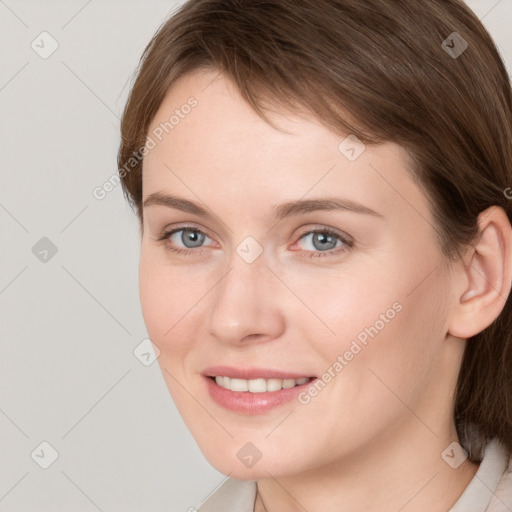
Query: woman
x=326, y=249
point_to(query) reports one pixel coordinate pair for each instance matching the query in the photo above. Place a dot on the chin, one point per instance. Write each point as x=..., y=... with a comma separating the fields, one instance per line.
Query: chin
x=237, y=465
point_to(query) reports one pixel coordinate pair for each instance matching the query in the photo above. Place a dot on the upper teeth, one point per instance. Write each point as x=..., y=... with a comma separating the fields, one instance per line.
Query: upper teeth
x=258, y=385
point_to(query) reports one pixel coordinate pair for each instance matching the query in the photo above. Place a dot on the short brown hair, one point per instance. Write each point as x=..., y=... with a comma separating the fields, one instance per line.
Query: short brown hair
x=382, y=70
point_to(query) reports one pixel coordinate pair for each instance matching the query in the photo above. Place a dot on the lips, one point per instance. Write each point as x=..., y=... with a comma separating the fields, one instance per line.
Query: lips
x=252, y=373
x=257, y=400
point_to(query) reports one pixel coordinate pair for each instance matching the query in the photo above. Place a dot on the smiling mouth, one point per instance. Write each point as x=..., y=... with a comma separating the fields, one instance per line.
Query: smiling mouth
x=259, y=385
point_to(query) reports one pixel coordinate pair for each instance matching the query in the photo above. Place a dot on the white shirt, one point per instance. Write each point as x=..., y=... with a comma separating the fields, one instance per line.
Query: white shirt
x=490, y=490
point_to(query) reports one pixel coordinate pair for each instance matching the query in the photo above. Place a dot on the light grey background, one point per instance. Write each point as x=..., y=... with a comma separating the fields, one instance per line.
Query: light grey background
x=69, y=325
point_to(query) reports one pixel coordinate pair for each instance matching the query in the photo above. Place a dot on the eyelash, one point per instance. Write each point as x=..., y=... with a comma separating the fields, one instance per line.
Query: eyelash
x=348, y=244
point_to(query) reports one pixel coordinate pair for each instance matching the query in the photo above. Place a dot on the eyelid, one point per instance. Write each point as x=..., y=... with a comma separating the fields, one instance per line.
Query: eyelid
x=167, y=231
x=319, y=228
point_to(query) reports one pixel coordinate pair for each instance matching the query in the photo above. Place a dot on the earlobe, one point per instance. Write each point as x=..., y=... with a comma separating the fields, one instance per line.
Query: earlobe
x=487, y=273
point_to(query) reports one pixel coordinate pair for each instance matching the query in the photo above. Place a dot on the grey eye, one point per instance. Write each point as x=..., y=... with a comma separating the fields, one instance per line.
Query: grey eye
x=192, y=238
x=324, y=241
x=320, y=240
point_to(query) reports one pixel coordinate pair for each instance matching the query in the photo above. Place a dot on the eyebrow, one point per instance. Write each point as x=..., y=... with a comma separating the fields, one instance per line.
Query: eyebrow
x=279, y=211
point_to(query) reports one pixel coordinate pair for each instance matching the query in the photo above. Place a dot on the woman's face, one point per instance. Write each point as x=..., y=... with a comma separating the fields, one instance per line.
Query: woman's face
x=299, y=255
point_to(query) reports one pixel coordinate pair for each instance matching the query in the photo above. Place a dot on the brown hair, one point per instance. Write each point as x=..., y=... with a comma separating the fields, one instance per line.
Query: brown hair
x=384, y=70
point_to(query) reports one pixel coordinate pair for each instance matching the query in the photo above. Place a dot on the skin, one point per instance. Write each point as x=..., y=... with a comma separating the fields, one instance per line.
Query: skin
x=383, y=422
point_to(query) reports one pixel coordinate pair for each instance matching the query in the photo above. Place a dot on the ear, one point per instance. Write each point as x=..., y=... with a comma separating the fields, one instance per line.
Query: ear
x=485, y=275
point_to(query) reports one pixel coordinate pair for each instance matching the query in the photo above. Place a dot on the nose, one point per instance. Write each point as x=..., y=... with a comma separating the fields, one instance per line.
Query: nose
x=245, y=304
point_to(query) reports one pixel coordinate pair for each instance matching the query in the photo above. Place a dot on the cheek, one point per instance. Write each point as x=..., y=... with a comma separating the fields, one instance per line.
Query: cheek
x=374, y=368
x=402, y=353
x=155, y=296
x=167, y=297
x=374, y=331
x=348, y=304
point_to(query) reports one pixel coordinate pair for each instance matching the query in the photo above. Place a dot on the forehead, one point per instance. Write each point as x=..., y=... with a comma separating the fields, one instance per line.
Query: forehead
x=222, y=120
x=211, y=140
